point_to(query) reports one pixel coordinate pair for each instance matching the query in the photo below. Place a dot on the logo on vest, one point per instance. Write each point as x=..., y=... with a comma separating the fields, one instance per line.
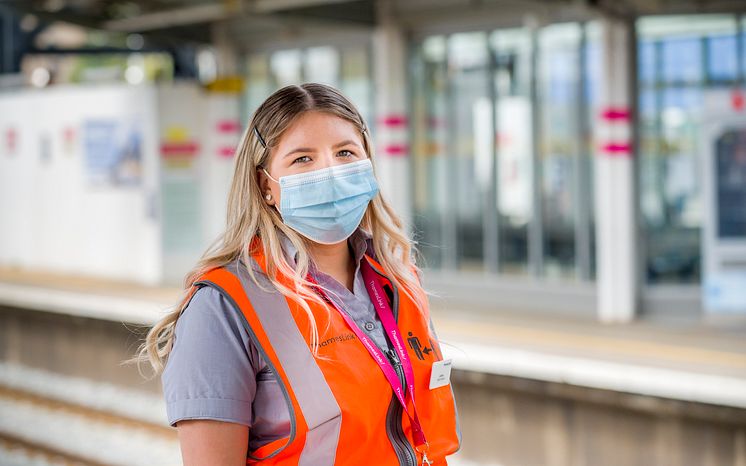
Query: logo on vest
x=342, y=337
x=417, y=347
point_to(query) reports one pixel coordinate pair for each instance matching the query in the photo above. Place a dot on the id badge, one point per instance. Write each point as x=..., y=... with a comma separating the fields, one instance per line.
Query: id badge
x=441, y=374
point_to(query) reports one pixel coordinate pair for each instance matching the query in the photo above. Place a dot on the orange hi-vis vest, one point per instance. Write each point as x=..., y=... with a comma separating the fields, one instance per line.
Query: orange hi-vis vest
x=342, y=409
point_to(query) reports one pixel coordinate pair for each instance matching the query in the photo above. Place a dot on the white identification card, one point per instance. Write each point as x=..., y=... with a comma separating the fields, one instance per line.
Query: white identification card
x=441, y=374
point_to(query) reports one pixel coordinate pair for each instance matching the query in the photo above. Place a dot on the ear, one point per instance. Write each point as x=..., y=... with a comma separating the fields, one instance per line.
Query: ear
x=264, y=186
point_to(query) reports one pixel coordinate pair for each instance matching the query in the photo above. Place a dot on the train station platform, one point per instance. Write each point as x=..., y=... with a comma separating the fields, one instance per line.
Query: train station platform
x=692, y=362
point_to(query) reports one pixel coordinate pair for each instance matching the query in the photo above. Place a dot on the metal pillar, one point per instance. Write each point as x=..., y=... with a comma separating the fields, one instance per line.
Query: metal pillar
x=536, y=224
x=392, y=138
x=616, y=220
x=582, y=195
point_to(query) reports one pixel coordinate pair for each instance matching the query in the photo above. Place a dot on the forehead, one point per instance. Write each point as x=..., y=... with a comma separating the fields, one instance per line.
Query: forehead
x=317, y=130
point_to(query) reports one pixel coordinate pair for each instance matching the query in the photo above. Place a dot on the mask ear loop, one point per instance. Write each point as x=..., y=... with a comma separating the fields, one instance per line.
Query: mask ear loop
x=270, y=176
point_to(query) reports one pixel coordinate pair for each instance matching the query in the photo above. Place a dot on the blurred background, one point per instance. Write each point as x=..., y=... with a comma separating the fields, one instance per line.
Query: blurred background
x=574, y=173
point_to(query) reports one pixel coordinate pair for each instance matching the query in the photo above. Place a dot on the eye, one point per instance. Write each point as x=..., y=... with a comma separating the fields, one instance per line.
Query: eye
x=349, y=152
x=301, y=159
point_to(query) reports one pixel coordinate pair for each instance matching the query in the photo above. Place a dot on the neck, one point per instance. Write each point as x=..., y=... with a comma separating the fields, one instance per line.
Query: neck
x=335, y=260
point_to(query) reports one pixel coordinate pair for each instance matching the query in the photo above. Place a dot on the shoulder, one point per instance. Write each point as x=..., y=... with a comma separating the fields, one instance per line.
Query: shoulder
x=206, y=307
x=211, y=370
x=211, y=326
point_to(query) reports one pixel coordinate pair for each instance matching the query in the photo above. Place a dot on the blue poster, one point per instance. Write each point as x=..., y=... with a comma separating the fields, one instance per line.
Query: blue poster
x=113, y=152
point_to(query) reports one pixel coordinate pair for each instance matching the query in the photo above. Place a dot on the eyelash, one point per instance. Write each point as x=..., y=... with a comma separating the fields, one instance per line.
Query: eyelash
x=305, y=156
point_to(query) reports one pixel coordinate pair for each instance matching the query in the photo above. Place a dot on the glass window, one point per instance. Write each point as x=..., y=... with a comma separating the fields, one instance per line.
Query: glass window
x=722, y=58
x=647, y=62
x=586, y=237
x=743, y=48
x=730, y=169
x=430, y=143
x=321, y=65
x=650, y=201
x=474, y=148
x=679, y=126
x=558, y=76
x=286, y=67
x=470, y=170
x=693, y=54
x=258, y=84
x=514, y=137
x=682, y=60
x=345, y=68
x=356, y=81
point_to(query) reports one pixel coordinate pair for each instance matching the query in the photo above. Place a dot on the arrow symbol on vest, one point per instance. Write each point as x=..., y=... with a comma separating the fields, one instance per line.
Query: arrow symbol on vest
x=427, y=350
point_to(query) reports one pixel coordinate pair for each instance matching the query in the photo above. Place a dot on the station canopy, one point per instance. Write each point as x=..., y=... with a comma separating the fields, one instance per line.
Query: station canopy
x=250, y=23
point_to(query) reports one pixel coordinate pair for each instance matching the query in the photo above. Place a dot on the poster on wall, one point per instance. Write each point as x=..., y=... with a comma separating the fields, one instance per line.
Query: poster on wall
x=730, y=193
x=725, y=272
x=113, y=152
x=180, y=190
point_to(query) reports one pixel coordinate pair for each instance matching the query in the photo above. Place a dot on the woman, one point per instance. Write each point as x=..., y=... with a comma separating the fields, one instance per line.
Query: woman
x=304, y=331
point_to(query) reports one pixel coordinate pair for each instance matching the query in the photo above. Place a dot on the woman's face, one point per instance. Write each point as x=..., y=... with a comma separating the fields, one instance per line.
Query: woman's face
x=315, y=140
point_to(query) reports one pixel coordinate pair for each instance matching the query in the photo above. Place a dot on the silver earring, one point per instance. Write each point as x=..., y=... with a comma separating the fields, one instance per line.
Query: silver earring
x=268, y=196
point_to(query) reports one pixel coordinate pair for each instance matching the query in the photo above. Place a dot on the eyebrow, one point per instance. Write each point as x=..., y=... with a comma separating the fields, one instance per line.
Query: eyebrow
x=310, y=149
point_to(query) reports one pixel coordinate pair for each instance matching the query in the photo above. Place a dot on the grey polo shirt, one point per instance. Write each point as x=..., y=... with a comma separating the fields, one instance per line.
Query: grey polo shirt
x=214, y=371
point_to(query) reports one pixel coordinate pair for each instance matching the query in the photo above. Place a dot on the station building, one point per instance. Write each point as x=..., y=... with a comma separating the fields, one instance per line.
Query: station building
x=583, y=158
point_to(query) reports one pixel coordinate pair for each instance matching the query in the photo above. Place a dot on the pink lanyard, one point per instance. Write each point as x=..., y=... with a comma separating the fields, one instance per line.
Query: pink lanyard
x=375, y=290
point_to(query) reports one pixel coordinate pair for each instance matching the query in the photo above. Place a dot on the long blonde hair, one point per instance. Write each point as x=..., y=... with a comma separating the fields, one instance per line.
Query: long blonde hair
x=249, y=217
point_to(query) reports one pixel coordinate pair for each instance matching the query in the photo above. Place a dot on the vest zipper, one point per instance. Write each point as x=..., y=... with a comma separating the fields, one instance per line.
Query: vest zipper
x=394, y=429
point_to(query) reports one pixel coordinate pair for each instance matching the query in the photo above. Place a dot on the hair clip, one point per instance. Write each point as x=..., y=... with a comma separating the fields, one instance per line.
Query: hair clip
x=259, y=136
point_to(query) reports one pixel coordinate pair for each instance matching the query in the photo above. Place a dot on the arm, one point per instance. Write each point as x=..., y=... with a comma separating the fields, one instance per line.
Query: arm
x=209, y=382
x=205, y=441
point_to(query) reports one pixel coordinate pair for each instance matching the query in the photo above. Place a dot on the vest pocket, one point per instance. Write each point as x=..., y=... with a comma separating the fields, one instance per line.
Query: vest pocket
x=267, y=449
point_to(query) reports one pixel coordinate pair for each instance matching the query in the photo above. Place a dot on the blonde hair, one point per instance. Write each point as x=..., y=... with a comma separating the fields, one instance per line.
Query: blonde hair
x=249, y=217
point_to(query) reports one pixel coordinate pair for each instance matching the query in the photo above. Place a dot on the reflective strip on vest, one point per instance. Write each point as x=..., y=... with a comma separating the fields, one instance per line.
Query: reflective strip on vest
x=320, y=409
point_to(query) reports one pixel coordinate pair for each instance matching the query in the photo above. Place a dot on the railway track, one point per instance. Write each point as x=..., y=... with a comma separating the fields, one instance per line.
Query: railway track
x=38, y=426
x=15, y=451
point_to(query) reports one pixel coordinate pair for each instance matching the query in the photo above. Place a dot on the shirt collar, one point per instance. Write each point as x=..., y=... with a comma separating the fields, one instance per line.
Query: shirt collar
x=361, y=241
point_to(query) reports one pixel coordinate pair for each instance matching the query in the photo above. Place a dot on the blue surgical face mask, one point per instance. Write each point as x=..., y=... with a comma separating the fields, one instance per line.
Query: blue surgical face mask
x=327, y=205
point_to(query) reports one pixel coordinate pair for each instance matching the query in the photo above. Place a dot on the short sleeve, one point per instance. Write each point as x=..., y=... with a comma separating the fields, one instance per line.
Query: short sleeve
x=211, y=370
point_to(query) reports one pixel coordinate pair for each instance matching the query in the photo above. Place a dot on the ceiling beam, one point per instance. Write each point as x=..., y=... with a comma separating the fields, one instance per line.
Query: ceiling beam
x=206, y=13
x=271, y=6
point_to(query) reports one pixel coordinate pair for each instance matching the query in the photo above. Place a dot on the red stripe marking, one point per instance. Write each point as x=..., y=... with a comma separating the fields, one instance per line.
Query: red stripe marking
x=737, y=100
x=396, y=149
x=179, y=148
x=616, y=113
x=393, y=120
x=226, y=151
x=616, y=148
x=228, y=126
